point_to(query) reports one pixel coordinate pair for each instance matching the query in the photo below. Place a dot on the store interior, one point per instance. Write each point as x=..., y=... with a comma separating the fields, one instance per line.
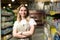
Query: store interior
x=46, y=13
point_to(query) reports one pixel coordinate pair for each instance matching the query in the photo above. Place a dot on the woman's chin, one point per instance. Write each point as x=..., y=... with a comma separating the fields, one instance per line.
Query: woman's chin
x=23, y=16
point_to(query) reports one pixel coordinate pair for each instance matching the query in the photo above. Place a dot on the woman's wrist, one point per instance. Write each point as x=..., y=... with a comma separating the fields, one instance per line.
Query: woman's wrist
x=21, y=33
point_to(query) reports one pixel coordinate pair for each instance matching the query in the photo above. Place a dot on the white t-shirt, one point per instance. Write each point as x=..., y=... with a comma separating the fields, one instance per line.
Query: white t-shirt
x=31, y=22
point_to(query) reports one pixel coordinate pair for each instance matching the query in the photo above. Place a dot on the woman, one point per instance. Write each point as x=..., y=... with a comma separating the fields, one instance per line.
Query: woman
x=23, y=27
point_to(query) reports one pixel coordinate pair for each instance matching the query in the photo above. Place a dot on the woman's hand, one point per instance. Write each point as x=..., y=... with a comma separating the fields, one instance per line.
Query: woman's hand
x=20, y=33
x=30, y=32
x=27, y=33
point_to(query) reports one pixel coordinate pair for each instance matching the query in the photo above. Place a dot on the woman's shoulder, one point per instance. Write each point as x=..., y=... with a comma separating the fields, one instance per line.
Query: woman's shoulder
x=31, y=19
x=32, y=22
x=15, y=22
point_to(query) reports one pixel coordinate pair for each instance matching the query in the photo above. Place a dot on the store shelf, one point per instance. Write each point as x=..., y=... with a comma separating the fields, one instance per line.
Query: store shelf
x=6, y=31
x=7, y=19
x=7, y=15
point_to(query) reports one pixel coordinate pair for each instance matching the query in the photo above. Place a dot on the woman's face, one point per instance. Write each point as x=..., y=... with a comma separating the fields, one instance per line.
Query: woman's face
x=23, y=11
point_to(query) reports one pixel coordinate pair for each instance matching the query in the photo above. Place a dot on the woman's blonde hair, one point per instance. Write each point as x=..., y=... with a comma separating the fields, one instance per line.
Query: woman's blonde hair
x=19, y=16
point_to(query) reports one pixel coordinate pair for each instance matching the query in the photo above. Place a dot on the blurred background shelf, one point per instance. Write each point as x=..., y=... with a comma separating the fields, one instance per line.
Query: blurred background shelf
x=6, y=31
x=7, y=20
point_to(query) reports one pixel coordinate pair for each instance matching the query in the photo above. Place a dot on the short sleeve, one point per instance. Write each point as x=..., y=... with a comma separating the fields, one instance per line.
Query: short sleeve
x=32, y=22
x=15, y=25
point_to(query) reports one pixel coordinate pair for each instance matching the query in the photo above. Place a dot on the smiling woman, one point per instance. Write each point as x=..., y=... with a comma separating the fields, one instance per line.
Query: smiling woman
x=23, y=27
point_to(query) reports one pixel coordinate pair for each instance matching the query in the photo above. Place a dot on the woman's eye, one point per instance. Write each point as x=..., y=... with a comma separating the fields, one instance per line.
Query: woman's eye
x=21, y=10
x=25, y=10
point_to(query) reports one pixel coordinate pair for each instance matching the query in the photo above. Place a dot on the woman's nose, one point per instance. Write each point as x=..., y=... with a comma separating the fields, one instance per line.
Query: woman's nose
x=23, y=12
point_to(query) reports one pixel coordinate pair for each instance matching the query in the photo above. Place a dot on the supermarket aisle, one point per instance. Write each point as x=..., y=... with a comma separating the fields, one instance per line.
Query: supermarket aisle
x=39, y=34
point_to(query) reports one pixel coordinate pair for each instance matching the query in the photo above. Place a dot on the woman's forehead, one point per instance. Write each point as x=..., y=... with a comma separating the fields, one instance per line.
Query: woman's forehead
x=23, y=8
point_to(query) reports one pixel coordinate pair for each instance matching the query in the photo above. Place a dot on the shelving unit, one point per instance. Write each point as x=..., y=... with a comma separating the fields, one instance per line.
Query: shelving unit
x=7, y=19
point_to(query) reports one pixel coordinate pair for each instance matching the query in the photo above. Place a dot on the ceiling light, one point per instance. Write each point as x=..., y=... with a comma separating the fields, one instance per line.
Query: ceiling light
x=3, y=7
x=26, y=5
x=9, y=4
x=12, y=0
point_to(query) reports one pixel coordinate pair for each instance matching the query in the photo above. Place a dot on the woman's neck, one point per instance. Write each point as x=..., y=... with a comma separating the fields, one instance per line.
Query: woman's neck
x=23, y=18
